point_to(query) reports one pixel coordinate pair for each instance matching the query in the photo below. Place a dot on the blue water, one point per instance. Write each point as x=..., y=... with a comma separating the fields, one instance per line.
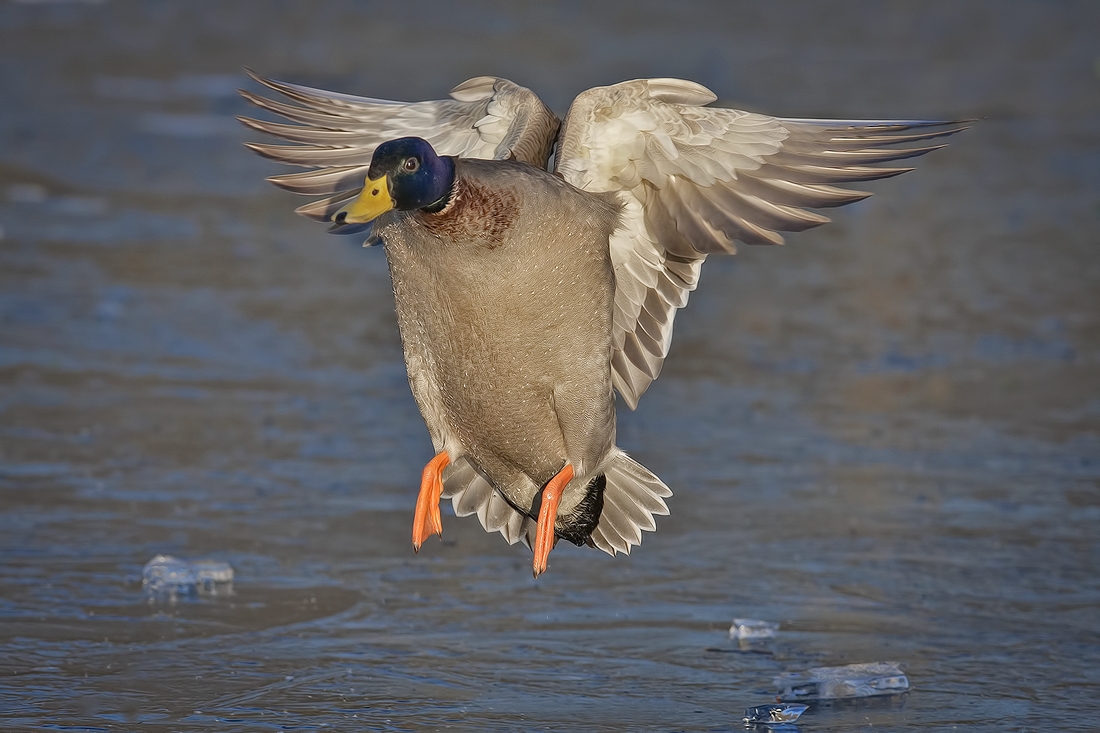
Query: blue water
x=884, y=436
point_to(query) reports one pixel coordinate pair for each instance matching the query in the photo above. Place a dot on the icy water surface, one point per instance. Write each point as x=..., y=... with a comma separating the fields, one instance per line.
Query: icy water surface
x=884, y=436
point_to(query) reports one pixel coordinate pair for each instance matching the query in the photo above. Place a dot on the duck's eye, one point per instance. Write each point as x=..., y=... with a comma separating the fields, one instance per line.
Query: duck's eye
x=410, y=164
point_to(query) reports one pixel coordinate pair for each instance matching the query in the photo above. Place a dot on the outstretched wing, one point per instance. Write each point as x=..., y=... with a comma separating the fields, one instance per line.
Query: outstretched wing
x=335, y=134
x=695, y=180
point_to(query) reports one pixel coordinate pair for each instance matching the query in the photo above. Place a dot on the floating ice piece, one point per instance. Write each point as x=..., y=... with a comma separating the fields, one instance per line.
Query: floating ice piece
x=774, y=714
x=172, y=576
x=853, y=680
x=751, y=628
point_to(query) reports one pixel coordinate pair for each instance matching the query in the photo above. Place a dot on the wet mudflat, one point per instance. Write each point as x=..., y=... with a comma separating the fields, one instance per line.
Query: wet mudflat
x=884, y=436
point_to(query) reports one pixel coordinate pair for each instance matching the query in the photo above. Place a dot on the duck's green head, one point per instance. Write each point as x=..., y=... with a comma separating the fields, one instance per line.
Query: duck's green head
x=404, y=174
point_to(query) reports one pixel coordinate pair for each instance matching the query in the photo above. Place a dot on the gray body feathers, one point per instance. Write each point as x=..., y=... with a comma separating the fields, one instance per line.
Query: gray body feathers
x=504, y=302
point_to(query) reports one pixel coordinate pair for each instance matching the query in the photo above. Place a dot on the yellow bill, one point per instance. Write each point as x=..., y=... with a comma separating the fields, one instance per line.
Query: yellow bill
x=369, y=205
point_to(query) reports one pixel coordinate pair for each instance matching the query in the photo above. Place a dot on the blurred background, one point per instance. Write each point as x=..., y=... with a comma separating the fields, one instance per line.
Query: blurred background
x=884, y=435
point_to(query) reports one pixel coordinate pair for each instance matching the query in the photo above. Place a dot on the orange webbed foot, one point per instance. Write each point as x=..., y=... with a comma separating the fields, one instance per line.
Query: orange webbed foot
x=427, y=521
x=548, y=513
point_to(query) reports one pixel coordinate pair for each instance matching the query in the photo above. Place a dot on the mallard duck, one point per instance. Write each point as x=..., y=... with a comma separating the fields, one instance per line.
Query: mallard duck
x=529, y=292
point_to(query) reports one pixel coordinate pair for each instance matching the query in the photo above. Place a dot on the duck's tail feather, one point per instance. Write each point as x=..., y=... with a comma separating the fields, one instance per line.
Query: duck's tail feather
x=470, y=493
x=632, y=498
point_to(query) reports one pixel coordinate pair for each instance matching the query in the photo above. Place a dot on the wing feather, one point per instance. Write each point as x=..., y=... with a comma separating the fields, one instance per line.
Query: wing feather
x=323, y=209
x=696, y=180
x=334, y=135
x=322, y=180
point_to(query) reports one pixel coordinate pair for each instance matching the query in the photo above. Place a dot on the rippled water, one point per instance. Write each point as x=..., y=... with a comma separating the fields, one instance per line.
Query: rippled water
x=884, y=436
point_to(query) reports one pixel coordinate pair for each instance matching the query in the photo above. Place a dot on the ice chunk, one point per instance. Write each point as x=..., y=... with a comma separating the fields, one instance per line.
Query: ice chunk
x=782, y=713
x=165, y=574
x=751, y=628
x=853, y=680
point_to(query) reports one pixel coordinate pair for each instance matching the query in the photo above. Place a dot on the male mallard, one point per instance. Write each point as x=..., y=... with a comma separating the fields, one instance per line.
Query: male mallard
x=525, y=297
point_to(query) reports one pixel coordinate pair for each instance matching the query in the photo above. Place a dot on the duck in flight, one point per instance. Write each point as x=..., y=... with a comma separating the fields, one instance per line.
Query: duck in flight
x=537, y=265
